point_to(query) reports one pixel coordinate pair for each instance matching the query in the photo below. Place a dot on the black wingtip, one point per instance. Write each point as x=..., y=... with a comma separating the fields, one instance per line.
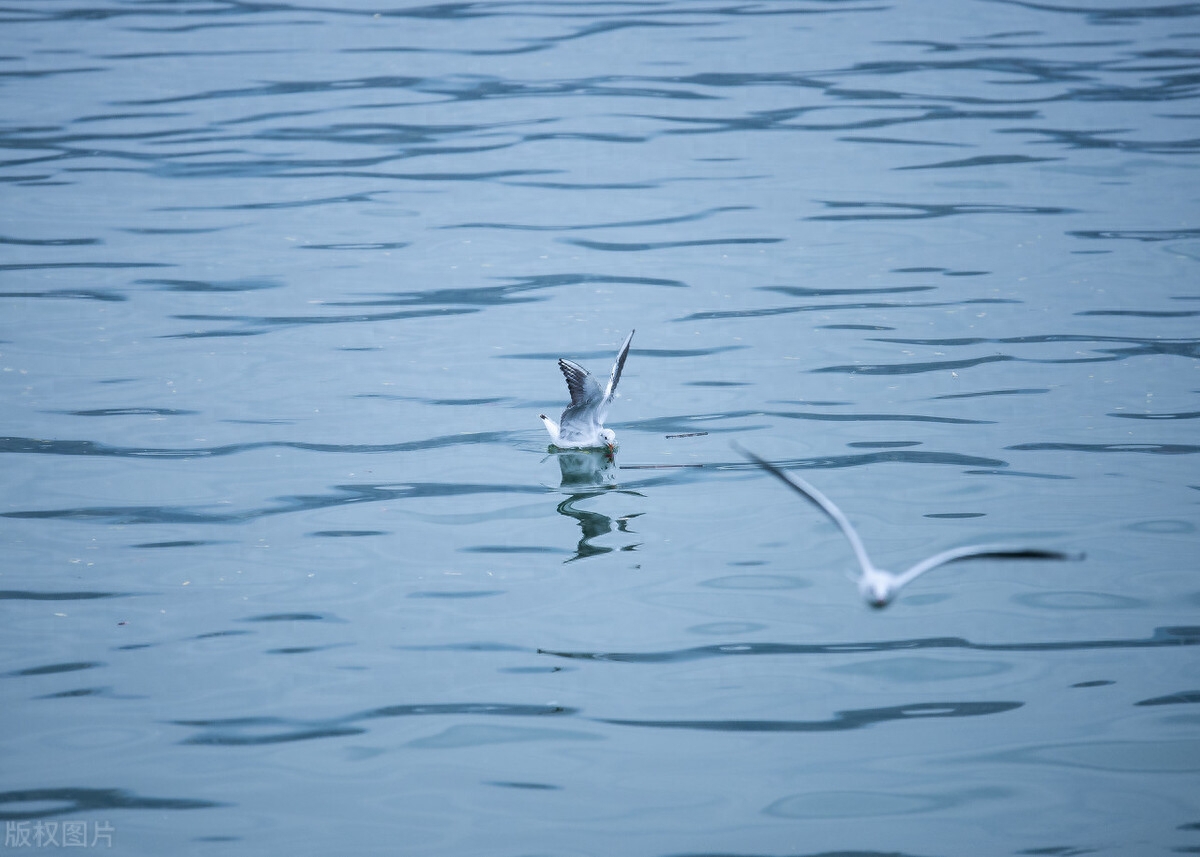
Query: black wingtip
x=757, y=459
x=1069, y=556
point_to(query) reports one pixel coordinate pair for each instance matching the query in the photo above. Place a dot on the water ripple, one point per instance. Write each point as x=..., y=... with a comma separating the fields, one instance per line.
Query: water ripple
x=1141, y=313
x=1014, y=392
x=664, y=245
x=30, y=595
x=317, y=202
x=72, y=294
x=641, y=352
x=1185, y=415
x=50, y=242
x=1150, y=448
x=891, y=455
x=341, y=496
x=513, y=293
x=1165, y=636
x=127, y=412
x=1145, y=235
x=1184, y=697
x=247, y=284
x=841, y=721
x=24, y=445
x=1137, y=347
x=806, y=292
x=979, y=161
x=925, y=211
x=715, y=315
x=1116, y=14
x=243, y=731
x=101, y=266
x=54, y=669
x=74, y=800
x=915, y=368
x=781, y=119
x=619, y=224
x=685, y=422
x=292, y=617
x=1074, y=139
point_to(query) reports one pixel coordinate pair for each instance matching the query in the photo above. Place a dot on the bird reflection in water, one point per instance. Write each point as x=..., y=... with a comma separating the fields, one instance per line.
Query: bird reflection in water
x=588, y=473
x=594, y=468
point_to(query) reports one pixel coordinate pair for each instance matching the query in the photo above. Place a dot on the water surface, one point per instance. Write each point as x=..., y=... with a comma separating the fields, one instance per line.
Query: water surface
x=288, y=569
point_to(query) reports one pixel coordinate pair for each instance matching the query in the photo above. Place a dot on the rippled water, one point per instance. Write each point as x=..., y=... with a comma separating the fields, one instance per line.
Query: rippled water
x=287, y=568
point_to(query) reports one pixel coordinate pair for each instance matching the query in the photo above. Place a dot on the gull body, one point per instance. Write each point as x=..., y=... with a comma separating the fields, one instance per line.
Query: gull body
x=582, y=423
x=877, y=586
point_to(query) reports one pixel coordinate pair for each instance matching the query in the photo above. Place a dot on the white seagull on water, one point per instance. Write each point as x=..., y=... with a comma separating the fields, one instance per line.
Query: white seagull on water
x=875, y=585
x=582, y=423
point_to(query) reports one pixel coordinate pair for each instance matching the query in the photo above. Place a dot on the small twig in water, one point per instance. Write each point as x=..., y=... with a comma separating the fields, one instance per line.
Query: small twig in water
x=656, y=466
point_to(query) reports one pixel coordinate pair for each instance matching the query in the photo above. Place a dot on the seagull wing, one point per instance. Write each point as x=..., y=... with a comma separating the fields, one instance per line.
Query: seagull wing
x=980, y=552
x=611, y=389
x=817, y=498
x=583, y=387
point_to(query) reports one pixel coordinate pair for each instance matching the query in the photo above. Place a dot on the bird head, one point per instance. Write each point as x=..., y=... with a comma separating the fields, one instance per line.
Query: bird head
x=609, y=438
x=877, y=588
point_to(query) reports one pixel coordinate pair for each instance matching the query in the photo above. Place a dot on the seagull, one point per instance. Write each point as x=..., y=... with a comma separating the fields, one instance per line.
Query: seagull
x=879, y=587
x=582, y=423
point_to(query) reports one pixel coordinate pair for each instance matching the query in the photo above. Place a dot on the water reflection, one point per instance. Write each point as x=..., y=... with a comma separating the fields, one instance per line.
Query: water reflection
x=587, y=467
x=588, y=473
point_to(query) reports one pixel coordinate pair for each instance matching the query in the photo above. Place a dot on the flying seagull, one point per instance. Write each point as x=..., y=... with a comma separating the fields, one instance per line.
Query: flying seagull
x=582, y=423
x=879, y=587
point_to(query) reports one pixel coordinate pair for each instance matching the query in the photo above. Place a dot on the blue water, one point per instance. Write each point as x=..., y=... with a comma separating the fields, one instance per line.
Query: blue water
x=287, y=567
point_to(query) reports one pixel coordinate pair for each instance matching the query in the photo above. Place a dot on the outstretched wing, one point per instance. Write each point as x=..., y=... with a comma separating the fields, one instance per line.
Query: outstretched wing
x=611, y=389
x=814, y=496
x=583, y=387
x=981, y=552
